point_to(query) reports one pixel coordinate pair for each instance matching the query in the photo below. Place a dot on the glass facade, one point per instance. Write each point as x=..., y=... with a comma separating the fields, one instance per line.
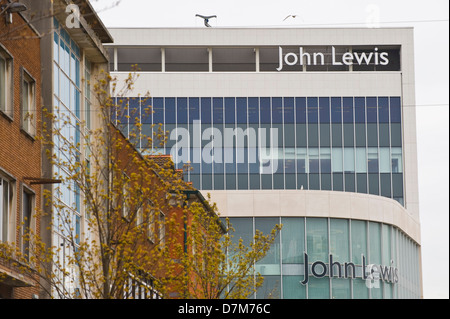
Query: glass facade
x=72, y=111
x=351, y=144
x=348, y=245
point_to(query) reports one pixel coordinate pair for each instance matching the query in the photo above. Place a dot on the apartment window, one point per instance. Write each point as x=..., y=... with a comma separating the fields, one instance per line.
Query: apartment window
x=5, y=208
x=162, y=229
x=6, y=79
x=28, y=109
x=27, y=218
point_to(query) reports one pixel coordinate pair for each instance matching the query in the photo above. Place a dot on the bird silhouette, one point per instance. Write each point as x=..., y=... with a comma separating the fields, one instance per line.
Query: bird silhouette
x=206, y=18
x=291, y=15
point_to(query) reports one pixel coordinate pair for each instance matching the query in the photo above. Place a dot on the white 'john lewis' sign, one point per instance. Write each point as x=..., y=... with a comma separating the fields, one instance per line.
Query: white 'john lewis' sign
x=318, y=58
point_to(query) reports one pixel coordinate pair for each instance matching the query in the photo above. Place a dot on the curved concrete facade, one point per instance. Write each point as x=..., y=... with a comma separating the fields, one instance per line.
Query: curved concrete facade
x=311, y=203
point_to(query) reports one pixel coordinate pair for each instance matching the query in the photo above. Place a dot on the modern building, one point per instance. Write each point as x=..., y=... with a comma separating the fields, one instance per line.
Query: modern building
x=311, y=128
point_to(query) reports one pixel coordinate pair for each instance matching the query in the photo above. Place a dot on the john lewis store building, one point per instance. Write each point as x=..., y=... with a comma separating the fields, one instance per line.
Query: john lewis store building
x=311, y=128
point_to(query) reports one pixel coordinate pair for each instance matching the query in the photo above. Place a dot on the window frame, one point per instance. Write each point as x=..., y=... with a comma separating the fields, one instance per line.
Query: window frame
x=8, y=108
x=28, y=121
x=31, y=196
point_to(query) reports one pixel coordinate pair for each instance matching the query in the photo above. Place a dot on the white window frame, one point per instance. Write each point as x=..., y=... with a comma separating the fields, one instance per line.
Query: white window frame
x=31, y=222
x=6, y=83
x=4, y=209
x=28, y=109
x=7, y=199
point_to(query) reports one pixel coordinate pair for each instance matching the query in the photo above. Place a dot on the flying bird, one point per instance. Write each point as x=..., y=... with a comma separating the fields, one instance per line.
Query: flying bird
x=206, y=18
x=291, y=15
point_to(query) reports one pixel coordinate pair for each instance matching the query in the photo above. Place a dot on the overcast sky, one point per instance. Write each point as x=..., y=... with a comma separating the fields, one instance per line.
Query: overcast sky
x=430, y=22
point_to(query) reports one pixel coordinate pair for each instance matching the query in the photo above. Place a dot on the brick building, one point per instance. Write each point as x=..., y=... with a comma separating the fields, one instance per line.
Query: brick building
x=20, y=148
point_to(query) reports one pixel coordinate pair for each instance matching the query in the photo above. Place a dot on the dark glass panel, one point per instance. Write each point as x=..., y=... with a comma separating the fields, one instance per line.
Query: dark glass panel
x=206, y=110
x=336, y=135
x=182, y=110
x=217, y=110
x=253, y=110
x=361, y=183
x=349, y=182
x=289, y=110
x=324, y=109
x=313, y=110
x=395, y=107
x=277, y=110
x=360, y=134
x=338, y=181
x=336, y=110
x=300, y=109
x=264, y=110
x=383, y=110
x=347, y=110
x=230, y=110
x=385, y=183
x=373, y=184
x=360, y=110
x=169, y=109
x=372, y=109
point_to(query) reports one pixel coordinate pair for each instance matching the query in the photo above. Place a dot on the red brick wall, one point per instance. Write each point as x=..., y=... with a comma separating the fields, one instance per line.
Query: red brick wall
x=20, y=154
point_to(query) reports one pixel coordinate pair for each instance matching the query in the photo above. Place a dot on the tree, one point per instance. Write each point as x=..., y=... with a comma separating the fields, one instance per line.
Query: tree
x=221, y=266
x=124, y=226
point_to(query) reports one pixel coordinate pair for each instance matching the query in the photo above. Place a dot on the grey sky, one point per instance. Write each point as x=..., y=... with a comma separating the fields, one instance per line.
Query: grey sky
x=430, y=22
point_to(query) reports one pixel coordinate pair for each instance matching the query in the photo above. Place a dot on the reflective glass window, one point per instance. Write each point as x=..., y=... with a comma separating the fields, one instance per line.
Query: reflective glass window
x=313, y=110
x=264, y=110
x=300, y=110
x=349, y=159
x=339, y=240
x=158, y=111
x=301, y=135
x=383, y=110
x=372, y=160
x=194, y=109
x=374, y=184
x=396, y=135
x=396, y=160
x=361, y=183
x=277, y=110
x=182, y=110
x=317, y=239
x=288, y=107
x=241, y=110
x=360, y=110
x=318, y=288
x=395, y=110
x=384, y=135
x=253, y=110
x=324, y=109
x=358, y=241
x=349, y=135
x=372, y=109
x=206, y=115
x=361, y=160
x=292, y=288
x=336, y=110
x=372, y=135
x=324, y=135
x=347, y=109
x=313, y=135
x=360, y=134
x=336, y=135
x=349, y=180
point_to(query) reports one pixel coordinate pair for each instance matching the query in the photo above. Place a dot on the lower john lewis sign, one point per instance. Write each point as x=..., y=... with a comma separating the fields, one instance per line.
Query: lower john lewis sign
x=371, y=273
